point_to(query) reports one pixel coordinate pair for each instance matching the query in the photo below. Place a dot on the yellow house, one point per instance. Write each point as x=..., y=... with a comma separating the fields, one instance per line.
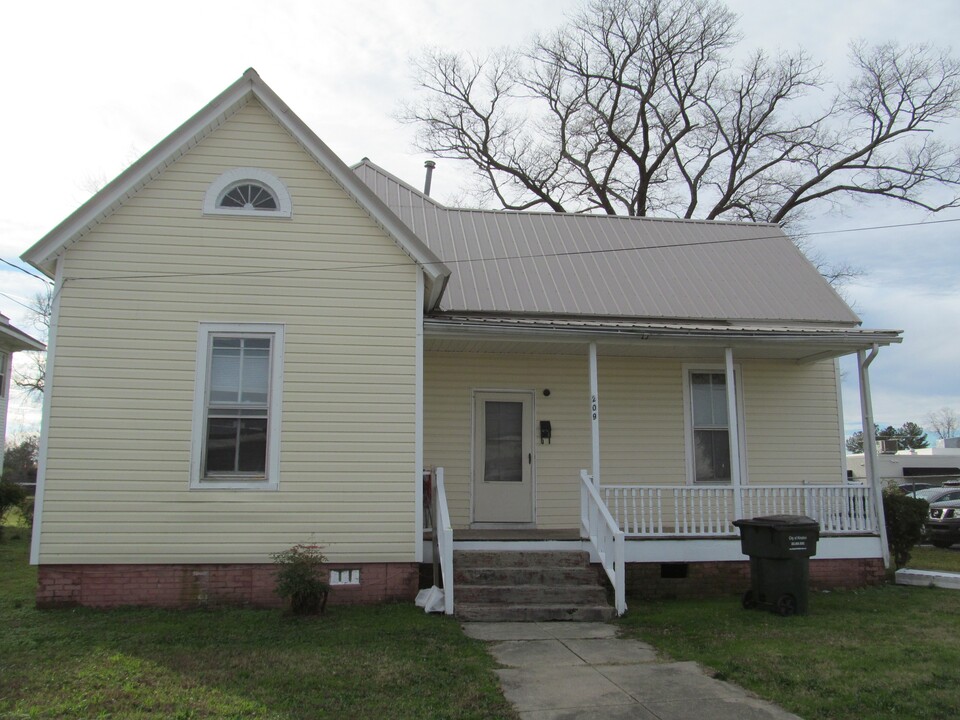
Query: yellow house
x=254, y=345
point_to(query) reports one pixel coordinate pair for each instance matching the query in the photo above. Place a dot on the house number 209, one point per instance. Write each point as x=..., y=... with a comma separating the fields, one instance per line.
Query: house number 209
x=593, y=406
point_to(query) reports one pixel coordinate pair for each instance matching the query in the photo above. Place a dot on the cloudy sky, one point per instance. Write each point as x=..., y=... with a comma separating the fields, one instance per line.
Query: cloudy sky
x=91, y=86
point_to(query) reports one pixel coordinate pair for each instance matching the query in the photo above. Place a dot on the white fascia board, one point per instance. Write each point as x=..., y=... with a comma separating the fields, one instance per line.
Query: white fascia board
x=13, y=340
x=436, y=272
x=43, y=254
x=845, y=341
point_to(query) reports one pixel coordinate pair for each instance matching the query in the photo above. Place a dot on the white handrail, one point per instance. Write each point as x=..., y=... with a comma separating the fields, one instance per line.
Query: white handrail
x=598, y=526
x=443, y=530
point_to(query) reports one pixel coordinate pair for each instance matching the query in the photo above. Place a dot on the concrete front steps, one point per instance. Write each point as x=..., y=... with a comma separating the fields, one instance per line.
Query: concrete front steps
x=528, y=586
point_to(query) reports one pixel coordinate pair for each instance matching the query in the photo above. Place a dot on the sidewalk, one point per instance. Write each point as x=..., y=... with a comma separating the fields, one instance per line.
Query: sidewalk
x=582, y=671
x=928, y=578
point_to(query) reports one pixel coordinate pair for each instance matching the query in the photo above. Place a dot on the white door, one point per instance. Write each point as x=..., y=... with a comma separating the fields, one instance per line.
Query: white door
x=503, y=457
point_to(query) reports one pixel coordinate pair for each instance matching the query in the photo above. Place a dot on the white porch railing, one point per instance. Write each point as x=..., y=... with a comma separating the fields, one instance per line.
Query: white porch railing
x=443, y=539
x=650, y=510
x=708, y=511
x=840, y=509
x=601, y=529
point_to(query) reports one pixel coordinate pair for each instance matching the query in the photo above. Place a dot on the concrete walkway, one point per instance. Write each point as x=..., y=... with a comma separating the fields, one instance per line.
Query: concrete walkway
x=928, y=578
x=582, y=671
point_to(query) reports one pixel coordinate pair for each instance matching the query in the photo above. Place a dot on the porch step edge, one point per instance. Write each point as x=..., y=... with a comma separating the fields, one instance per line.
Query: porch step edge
x=529, y=594
x=510, y=576
x=486, y=612
x=520, y=558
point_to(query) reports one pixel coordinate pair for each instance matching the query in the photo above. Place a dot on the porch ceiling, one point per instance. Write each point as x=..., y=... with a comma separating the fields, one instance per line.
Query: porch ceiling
x=559, y=336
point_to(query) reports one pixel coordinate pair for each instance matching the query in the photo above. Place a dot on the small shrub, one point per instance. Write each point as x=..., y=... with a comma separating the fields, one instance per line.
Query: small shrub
x=904, y=518
x=11, y=495
x=26, y=509
x=301, y=574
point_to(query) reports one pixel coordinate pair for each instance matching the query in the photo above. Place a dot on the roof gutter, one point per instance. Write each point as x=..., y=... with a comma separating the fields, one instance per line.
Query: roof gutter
x=13, y=340
x=855, y=338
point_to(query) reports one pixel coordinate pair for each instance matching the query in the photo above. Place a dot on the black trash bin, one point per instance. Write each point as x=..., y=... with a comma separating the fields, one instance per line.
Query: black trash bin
x=780, y=547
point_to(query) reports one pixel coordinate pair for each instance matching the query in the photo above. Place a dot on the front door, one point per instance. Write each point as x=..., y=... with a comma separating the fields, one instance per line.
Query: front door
x=503, y=457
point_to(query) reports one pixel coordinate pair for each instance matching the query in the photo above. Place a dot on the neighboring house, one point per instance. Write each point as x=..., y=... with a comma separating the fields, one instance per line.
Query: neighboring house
x=931, y=465
x=253, y=345
x=11, y=340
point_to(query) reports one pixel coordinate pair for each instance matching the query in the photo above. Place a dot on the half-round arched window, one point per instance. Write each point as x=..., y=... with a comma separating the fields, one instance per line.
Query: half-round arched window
x=248, y=195
x=247, y=191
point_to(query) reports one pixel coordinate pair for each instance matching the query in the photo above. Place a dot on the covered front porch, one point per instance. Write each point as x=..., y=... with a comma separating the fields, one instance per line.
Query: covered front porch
x=667, y=526
x=610, y=430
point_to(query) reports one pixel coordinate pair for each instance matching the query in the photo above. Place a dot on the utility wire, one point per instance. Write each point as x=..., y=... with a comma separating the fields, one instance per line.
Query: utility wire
x=13, y=299
x=496, y=258
x=24, y=270
x=884, y=227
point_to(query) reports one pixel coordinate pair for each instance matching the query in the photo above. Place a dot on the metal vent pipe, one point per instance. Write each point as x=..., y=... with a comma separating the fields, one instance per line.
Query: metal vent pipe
x=429, y=165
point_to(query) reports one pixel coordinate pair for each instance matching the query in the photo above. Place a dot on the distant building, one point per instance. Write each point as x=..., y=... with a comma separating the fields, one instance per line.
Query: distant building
x=933, y=465
x=11, y=340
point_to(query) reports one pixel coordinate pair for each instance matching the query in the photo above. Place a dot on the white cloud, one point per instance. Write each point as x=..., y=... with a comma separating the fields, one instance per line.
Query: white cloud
x=92, y=85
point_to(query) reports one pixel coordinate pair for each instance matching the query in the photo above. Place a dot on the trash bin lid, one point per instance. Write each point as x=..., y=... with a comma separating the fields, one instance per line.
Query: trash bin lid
x=778, y=521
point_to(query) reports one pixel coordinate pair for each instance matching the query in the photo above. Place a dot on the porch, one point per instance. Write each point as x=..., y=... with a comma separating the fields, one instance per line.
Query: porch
x=626, y=524
x=697, y=431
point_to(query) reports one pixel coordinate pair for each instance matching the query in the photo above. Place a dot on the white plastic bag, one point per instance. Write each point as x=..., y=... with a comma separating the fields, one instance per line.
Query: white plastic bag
x=430, y=599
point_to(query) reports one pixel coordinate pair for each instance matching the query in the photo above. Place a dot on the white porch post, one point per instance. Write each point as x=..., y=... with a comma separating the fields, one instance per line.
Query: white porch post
x=870, y=445
x=733, y=425
x=418, y=428
x=594, y=416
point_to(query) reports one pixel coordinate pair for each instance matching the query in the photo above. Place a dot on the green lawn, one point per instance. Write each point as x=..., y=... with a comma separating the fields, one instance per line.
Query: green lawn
x=928, y=557
x=377, y=662
x=883, y=653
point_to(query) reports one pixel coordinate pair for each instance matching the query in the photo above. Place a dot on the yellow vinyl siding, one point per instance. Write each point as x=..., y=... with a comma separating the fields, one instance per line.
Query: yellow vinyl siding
x=793, y=423
x=791, y=420
x=449, y=382
x=121, y=413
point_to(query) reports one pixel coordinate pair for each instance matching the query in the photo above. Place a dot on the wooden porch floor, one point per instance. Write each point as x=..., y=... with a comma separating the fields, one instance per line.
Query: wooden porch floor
x=517, y=534
x=507, y=534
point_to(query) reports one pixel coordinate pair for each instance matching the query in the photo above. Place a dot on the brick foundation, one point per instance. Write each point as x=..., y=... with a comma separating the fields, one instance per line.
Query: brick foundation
x=181, y=586
x=652, y=581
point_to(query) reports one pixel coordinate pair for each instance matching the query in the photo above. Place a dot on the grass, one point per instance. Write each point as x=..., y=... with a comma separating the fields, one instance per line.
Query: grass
x=883, y=653
x=926, y=557
x=389, y=661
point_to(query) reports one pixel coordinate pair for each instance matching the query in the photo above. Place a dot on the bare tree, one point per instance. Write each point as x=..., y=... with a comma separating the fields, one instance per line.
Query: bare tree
x=634, y=107
x=944, y=422
x=32, y=377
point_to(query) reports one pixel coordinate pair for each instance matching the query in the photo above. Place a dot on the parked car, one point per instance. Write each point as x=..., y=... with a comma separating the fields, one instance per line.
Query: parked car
x=908, y=486
x=937, y=494
x=942, y=526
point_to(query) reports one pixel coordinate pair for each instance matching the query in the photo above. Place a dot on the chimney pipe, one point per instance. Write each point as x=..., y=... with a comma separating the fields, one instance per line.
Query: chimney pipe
x=429, y=165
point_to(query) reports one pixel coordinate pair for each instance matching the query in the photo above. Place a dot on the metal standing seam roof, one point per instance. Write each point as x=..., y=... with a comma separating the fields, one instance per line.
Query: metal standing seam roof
x=539, y=263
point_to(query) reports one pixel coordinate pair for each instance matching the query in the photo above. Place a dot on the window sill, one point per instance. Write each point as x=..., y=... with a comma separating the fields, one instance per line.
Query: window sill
x=234, y=485
x=243, y=212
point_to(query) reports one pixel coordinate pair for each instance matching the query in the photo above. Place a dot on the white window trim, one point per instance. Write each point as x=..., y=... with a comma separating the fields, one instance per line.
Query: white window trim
x=205, y=334
x=688, y=369
x=5, y=370
x=227, y=180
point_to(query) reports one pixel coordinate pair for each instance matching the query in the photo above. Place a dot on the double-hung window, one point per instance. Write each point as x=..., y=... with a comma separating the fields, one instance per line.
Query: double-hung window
x=237, y=406
x=708, y=425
